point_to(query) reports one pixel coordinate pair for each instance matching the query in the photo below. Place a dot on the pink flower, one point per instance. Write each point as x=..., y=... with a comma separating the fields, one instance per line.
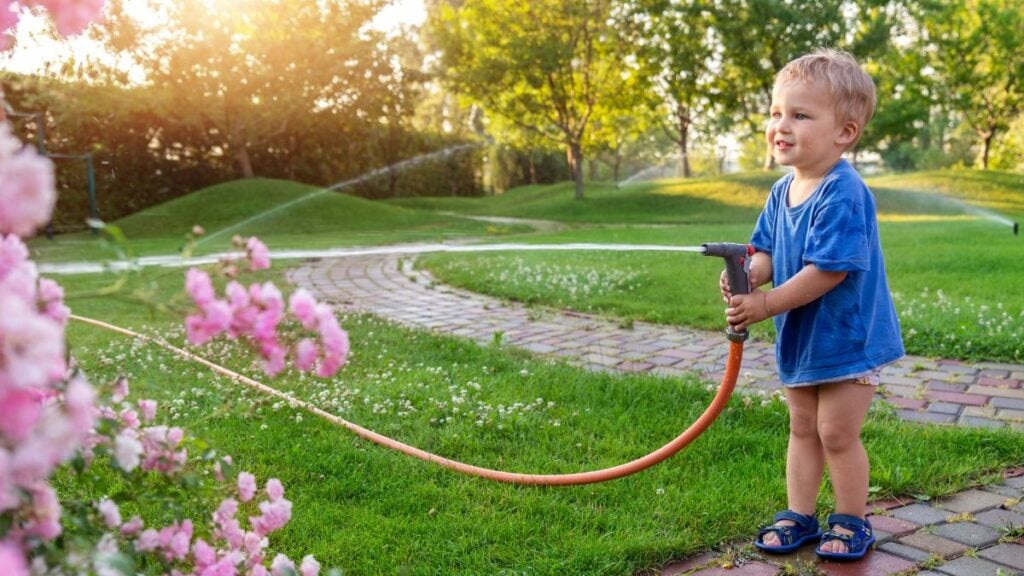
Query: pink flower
x=303, y=306
x=199, y=287
x=203, y=554
x=309, y=566
x=12, y=561
x=110, y=512
x=127, y=451
x=8, y=17
x=148, y=408
x=31, y=346
x=21, y=409
x=259, y=256
x=305, y=354
x=274, y=515
x=275, y=489
x=120, y=391
x=72, y=16
x=280, y=564
x=28, y=190
x=132, y=527
x=148, y=541
x=246, y=486
x=51, y=300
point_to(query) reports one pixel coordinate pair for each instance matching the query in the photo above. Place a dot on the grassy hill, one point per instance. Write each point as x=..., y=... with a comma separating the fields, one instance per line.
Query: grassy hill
x=284, y=214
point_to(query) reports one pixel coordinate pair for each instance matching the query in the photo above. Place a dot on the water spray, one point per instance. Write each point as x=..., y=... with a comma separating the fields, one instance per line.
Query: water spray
x=736, y=258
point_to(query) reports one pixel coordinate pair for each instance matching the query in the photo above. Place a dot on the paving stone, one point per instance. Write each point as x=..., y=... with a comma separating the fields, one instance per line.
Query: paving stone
x=1011, y=555
x=755, y=568
x=965, y=566
x=934, y=544
x=927, y=417
x=681, y=567
x=945, y=386
x=920, y=514
x=1003, y=491
x=969, y=533
x=1016, y=482
x=945, y=408
x=957, y=397
x=876, y=563
x=1011, y=403
x=1000, y=518
x=975, y=422
x=893, y=526
x=971, y=501
x=909, y=552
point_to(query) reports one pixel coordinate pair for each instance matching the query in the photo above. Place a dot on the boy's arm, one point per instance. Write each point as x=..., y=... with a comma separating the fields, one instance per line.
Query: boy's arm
x=806, y=286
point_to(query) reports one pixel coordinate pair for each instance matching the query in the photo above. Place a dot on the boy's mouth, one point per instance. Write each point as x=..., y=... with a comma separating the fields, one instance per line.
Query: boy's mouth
x=783, y=145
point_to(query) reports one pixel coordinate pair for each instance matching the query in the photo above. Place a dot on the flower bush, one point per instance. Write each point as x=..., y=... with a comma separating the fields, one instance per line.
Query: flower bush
x=52, y=416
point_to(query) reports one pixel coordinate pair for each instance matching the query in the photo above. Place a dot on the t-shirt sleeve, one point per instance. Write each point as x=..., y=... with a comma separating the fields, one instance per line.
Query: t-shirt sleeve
x=764, y=230
x=838, y=238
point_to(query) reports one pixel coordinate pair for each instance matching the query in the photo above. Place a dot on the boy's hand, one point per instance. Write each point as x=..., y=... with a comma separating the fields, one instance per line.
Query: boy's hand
x=723, y=285
x=747, y=309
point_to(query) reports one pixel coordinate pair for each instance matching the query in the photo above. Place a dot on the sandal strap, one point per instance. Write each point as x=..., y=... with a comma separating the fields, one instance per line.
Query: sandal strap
x=788, y=534
x=860, y=528
x=802, y=520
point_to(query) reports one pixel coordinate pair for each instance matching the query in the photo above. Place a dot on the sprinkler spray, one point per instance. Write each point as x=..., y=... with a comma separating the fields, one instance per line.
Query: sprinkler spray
x=736, y=265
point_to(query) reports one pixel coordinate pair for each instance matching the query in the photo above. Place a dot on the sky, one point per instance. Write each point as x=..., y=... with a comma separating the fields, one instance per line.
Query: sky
x=33, y=50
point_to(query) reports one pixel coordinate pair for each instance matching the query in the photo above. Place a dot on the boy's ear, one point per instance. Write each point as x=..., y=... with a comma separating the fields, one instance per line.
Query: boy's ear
x=848, y=134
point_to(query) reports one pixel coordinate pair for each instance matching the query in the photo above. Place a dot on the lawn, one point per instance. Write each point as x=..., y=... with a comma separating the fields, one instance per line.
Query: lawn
x=371, y=511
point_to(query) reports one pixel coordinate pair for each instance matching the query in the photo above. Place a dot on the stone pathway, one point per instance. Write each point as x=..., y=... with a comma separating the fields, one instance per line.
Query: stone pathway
x=974, y=533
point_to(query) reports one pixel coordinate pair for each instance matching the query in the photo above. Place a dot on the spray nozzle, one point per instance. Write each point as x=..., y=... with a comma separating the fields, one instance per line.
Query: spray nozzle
x=736, y=265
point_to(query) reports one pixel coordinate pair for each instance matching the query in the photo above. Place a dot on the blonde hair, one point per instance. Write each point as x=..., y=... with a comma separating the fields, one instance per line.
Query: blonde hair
x=852, y=90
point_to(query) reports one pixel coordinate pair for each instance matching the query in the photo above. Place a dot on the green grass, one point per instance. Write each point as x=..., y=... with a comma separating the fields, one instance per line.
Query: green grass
x=283, y=214
x=371, y=511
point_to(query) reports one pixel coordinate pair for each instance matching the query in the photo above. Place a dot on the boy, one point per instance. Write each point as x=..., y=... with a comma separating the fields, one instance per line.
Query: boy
x=817, y=242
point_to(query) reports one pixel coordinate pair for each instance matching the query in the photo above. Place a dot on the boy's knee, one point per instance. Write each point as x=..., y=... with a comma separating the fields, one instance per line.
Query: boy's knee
x=803, y=427
x=837, y=438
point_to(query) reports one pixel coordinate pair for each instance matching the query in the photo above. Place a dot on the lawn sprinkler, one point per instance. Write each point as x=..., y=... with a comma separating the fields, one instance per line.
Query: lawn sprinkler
x=1016, y=228
x=736, y=264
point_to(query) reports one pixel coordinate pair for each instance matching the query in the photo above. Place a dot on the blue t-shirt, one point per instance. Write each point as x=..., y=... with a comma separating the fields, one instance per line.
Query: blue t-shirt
x=853, y=328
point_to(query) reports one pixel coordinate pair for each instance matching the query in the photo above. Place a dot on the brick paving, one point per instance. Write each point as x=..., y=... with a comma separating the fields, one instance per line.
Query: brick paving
x=965, y=534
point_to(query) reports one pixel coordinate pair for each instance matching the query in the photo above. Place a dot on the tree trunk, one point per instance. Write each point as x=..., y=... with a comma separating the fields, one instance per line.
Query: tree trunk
x=576, y=162
x=533, y=169
x=986, y=146
x=392, y=182
x=684, y=135
x=769, y=161
x=617, y=166
x=592, y=170
x=243, y=161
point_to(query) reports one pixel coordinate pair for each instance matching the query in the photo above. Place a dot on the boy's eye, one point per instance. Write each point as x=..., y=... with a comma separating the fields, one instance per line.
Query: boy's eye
x=800, y=116
x=776, y=115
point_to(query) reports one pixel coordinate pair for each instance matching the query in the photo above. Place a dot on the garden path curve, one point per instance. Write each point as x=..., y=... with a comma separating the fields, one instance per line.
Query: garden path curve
x=387, y=285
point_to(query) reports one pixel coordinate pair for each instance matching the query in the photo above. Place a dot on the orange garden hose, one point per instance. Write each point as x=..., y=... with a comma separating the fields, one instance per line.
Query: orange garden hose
x=725, y=390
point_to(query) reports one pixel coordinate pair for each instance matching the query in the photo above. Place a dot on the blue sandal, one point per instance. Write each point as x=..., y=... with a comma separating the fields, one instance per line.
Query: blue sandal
x=857, y=544
x=790, y=537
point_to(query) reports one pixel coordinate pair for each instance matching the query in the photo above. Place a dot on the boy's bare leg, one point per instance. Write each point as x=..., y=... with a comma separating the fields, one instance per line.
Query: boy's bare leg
x=805, y=458
x=841, y=411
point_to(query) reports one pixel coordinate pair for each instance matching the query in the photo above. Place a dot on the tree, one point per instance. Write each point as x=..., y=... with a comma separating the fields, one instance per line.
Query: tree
x=758, y=37
x=674, y=47
x=542, y=65
x=978, y=56
x=245, y=71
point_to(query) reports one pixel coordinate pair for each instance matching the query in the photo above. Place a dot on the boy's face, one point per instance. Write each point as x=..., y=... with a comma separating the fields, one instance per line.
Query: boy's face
x=803, y=131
